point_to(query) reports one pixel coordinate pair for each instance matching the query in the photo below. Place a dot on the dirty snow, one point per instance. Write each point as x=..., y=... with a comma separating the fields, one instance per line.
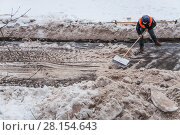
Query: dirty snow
x=20, y=102
x=110, y=98
x=114, y=94
x=74, y=31
x=83, y=83
x=62, y=20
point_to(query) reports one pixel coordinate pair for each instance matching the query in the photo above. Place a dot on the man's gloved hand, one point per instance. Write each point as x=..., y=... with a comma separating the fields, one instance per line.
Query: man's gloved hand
x=140, y=35
x=143, y=32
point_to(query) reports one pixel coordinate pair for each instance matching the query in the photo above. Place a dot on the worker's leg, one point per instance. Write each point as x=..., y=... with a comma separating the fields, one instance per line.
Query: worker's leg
x=153, y=36
x=141, y=42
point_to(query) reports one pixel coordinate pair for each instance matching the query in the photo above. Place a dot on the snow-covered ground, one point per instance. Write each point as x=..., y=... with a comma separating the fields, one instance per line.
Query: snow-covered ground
x=116, y=93
x=62, y=20
x=96, y=10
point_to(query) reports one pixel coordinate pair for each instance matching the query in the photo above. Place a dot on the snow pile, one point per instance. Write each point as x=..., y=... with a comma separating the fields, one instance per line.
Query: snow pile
x=16, y=102
x=109, y=97
x=45, y=103
x=75, y=31
x=115, y=99
x=71, y=102
x=114, y=94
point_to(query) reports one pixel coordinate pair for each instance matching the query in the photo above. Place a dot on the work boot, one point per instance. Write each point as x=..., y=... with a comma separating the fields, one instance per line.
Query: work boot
x=141, y=49
x=157, y=43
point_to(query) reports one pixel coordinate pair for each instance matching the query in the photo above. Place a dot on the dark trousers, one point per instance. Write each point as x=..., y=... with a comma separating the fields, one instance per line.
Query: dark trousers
x=151, y=33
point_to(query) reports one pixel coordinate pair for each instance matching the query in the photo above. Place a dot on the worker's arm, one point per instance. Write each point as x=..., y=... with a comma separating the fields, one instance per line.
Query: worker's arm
x=138, y=28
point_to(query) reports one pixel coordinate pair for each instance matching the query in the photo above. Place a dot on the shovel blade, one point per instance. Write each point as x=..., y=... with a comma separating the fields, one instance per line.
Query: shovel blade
x=121, y=61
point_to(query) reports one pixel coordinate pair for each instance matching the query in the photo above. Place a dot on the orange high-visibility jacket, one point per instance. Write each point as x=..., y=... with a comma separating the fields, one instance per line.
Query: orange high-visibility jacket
x=142, y=25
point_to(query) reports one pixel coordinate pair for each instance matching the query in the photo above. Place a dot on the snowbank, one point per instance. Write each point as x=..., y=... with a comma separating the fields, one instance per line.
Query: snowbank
x=75, y=31
x=109, y=97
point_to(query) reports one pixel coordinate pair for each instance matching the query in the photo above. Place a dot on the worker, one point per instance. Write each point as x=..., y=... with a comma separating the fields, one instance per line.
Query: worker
x=146, y=23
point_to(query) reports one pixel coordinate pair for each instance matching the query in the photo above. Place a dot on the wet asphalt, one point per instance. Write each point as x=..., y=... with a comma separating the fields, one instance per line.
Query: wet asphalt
x=165, y=57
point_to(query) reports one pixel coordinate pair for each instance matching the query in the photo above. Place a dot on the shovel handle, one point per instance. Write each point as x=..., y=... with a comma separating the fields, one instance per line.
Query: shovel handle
x=133, y=45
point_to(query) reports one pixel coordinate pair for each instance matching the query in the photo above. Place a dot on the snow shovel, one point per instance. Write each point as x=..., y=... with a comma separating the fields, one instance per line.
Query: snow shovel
x=122, y=61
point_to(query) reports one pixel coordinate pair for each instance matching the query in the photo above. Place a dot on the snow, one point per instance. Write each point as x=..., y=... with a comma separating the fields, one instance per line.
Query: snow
x=74, y=31
x=20, y=102
x=74, y=102
x=62, y=20
x=114, y=94
x=101, y=10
